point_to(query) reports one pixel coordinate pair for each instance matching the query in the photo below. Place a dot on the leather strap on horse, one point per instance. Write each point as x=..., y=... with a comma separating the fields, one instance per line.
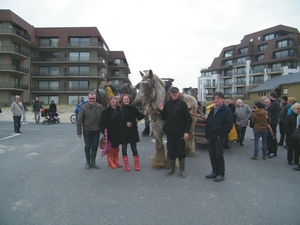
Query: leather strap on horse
x=198, y=115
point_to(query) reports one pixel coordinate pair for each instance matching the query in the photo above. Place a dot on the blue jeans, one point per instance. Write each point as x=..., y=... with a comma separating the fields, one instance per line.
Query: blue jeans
x=264, y=136
x=91, y=140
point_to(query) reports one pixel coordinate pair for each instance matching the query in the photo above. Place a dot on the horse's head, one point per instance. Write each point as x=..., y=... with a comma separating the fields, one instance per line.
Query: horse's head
x=129, y=90
x=151, y=89
x=101, y=97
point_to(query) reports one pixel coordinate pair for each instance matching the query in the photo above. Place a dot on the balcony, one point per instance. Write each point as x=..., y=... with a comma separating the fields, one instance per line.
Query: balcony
x=10, y=30
x=210, y=85
x=259, y=81
x=227, y=84
x=9, y=85
x=6, y=67
x=15, y=51
x=70, y=60
x=60, y=89
x=239, y=82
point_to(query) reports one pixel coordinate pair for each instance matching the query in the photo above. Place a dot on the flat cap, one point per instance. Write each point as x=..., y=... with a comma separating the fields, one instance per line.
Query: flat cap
x=174, y=89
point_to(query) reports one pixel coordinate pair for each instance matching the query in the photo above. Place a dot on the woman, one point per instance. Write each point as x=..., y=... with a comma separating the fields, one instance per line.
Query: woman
x=24, y=121
x=110, y=120
x=52, y=107
x=260, y=121
x=129, y=130
x=293, y=147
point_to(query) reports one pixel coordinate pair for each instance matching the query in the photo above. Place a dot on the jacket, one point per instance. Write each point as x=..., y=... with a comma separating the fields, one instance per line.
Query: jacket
x=129, y=113
x=89, y=118
x=112, y=92
x=17, y=108
x=259, y=120
x=177, y=116
x=283, y=112
x=273, y=111
x=220, y=124
x=242, y=115
x=290, y=125
x=36, y=106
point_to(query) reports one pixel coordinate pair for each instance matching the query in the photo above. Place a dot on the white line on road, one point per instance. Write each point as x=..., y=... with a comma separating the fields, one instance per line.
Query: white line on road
x=11, y=136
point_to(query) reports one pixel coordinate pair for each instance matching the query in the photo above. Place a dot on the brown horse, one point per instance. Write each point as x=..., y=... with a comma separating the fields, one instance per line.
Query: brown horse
x=152, y=92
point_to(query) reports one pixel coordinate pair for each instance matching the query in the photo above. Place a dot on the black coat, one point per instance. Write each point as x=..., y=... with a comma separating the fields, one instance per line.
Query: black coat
x=110, y=120
x=289, y=127
x=129, y=113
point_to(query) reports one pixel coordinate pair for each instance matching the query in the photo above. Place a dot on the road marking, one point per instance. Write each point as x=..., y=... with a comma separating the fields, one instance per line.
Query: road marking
x=11, y=136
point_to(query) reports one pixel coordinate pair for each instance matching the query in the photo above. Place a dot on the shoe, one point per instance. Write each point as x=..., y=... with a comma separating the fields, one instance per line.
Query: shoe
x=237, y=141
x=252, y=138
x=219, y=178
x=19, y=132
x=253, y=157
x=290, y=163
x=264, y=158
x=285, y=146
x=211, y=176
x=241, y=144
x=272, y=155
x=280, y=144
x=297, y=168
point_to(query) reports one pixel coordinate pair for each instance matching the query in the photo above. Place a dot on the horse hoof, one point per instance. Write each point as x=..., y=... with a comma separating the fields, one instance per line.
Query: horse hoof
x=145, y=135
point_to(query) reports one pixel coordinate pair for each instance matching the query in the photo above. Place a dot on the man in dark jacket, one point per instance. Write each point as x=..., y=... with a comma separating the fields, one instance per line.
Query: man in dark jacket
x=218, y=125
x=178, y=124
x=282, y=117
x=37, y=106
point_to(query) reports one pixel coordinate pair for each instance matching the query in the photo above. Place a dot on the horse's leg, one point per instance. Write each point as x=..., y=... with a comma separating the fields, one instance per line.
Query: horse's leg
x=147, y=126
x=190, y=144
x=159, y=159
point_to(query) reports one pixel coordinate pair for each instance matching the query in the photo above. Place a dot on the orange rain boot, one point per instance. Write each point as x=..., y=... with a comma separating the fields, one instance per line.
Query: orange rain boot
x=116, y=157
x=136, y=162
x=110, y=159
x=125, y=158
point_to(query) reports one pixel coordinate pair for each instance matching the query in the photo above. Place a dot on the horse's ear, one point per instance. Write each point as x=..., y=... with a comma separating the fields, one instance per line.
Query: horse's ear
x=141, y=73
x=151, y=74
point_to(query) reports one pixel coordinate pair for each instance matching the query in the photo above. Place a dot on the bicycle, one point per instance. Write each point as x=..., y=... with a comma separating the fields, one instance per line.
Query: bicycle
x=73, y=118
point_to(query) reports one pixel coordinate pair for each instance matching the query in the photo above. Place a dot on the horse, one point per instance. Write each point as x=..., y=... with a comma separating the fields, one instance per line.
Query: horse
x=151, y=93
x=131, y=92
x=101, y=97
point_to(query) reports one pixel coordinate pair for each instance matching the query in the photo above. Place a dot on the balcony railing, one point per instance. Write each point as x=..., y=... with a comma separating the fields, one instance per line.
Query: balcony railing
x=257, y=81
x=55, y=89
x=14, y=86
x=72, y=59
x=11, y=48
x=14, y=68
x=10, y=30
x=240, y=82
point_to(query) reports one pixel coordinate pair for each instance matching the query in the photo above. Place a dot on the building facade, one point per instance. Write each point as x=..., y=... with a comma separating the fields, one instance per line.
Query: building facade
x=260, y=56
x=60, y=64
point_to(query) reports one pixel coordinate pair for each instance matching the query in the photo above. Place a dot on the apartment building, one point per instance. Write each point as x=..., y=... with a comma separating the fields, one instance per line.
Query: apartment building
x=260, y=56
x=60, y=64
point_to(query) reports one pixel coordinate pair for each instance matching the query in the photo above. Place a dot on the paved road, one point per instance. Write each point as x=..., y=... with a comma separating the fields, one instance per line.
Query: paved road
x=43, y=181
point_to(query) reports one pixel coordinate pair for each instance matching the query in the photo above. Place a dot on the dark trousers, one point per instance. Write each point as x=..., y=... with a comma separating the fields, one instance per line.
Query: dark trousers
x=91, y=140
x=293, y=153
x=272, y=143
x=217, y=161
x=176, y=147
x=240, y=132
x=282, y=132
x=133, y=149
x=17, y=123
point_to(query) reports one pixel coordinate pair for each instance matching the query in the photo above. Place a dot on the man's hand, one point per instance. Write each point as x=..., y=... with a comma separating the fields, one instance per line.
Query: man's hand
x=186, y=136
x=161, y=106
x=79, y=135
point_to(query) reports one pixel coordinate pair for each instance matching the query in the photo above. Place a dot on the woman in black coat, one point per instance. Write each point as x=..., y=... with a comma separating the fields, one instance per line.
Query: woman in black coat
x=290, y=125
x=128, y=132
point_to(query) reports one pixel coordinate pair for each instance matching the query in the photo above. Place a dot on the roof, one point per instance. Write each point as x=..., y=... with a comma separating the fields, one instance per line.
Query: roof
x=277, y=82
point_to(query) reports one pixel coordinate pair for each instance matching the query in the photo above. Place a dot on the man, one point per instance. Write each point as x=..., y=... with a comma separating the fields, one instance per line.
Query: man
x=177, y=127
x=37, y=106
x=273, y=108
x=17, y=110
x=242, y=115
x=110, y=89
x=82, y=102
x=218, y=125
x=282, y=116
x=89, y=121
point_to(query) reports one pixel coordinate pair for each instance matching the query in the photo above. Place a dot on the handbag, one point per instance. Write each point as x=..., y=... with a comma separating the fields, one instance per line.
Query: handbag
x=107, y=145
x=232, y=136
x=101, y=142
x=296, y=135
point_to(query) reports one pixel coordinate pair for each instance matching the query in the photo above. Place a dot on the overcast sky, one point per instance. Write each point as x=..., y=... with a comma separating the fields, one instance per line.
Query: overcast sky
x=171, y=37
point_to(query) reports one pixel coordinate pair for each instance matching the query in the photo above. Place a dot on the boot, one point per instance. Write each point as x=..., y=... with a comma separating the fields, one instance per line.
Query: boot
x=125, y=158
x=136, y=162
x=93, y=158
x=116, y=157
x=172, y=168
x=110, y=159
x=182, y=167
x=88, y=159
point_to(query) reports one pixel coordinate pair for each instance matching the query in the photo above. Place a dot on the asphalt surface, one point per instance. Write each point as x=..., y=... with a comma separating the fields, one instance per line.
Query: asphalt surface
x=43, y=181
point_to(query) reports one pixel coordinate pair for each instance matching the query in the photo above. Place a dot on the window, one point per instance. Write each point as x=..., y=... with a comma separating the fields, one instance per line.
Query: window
x=240, y=90
x=80, y=41
x=16, y=65
x=208, y=83
x=269, y=37
x=116, y=83
x=241, y=71
x=117, y=62
x=243, y=51
x=241, y=61
x=258, y=69
x=285, y=43
x=227, y=91
x=48, y=99
x=79, y=56
x=228, y=53
x=259, y=58
x=228, y=63
x=227, y=82
x=78, y=85
x=285, y=91
x=276, y=67
x=79, y=71
x=48, y=71
x=258, y=79
x=48, y=85
x=262, y=48
x=285, y=53
x=16, y=47
x=74, y=99
x=49, y=56
x=240, y=81
x=115, y=72
x=48, y=42
x=293, y=65
x=15, y=82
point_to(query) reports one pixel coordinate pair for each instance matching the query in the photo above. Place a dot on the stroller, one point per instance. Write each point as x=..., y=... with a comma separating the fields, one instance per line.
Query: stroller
x=50, y=117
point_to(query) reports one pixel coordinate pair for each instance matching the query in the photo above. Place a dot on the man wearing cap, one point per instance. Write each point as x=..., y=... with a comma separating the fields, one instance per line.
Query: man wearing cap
x=178, y=122
x=282, y=116
x=110, y=89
